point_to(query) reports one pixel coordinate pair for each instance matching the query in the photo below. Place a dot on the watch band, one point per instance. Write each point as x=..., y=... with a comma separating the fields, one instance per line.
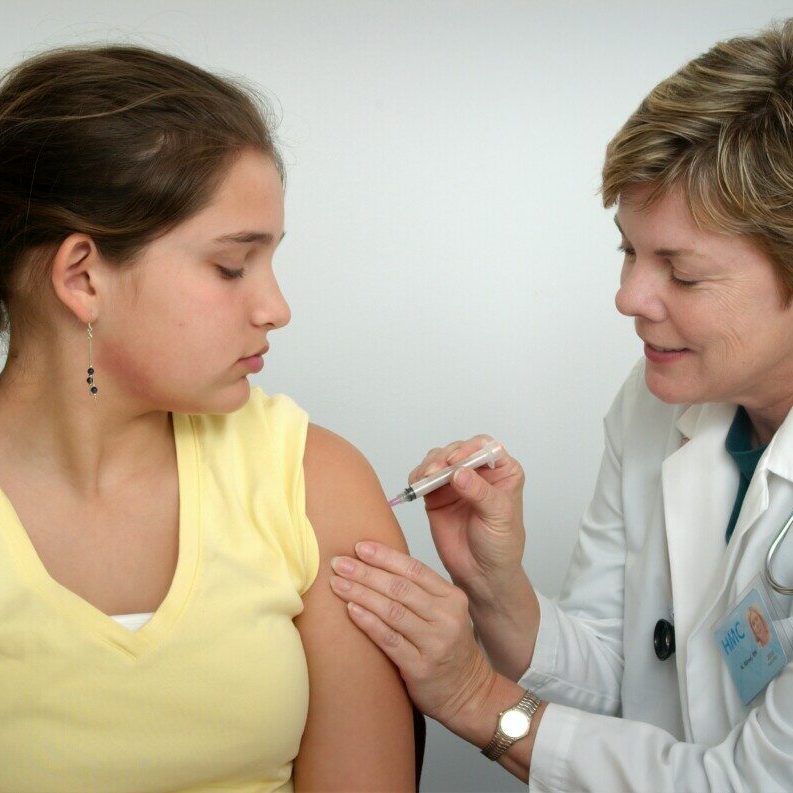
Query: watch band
x=500, y=741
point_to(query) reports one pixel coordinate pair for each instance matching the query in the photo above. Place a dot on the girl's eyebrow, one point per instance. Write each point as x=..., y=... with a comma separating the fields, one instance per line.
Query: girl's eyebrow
x=248, y=237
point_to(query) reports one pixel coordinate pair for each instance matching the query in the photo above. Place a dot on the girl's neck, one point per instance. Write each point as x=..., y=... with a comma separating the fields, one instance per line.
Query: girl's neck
x=52, y=423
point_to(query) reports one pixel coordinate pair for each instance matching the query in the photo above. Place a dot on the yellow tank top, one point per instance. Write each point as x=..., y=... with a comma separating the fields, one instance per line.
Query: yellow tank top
x=212, y=693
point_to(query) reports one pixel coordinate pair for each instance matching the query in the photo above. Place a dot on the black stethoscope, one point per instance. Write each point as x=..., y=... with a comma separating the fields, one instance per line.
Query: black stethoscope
x=664, y=633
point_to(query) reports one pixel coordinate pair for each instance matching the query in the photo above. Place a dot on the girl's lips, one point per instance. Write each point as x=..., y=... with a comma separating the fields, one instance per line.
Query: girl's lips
x=660, y=355
x=253, y=363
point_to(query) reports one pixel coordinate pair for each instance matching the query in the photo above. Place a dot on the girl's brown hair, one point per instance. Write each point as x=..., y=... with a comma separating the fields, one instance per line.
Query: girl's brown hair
x=118, y=142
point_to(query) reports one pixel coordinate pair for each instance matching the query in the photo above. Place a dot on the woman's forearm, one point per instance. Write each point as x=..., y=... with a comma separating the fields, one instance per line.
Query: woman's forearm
x=507, y=623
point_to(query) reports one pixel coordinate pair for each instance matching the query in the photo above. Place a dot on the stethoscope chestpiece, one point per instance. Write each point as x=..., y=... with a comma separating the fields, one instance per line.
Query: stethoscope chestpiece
x=664, y=640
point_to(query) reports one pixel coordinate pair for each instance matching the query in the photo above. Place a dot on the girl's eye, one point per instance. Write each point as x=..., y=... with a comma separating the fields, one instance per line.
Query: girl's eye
x=626, y=251
x=230, y=274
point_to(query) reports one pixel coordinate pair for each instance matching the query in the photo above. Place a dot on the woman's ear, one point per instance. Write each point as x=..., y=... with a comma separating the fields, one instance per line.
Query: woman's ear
x=75, y=275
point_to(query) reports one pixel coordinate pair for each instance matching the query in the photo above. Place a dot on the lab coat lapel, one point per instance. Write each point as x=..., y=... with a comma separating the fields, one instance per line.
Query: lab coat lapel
x=699, y=485
x=766, y=506
x=751, y=529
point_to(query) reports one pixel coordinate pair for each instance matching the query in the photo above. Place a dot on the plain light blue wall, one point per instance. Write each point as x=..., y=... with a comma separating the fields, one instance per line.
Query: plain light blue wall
x=449, y=265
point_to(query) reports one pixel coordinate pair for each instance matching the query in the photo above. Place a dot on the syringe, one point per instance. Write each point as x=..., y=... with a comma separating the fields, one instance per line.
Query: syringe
x=487, y=455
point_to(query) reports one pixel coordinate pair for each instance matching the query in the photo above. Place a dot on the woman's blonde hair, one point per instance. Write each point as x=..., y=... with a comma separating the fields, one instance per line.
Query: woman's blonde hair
x=721, y=128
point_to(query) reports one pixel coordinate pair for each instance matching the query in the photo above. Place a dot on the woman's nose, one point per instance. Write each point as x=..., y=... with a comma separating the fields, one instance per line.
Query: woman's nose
x=639, y=294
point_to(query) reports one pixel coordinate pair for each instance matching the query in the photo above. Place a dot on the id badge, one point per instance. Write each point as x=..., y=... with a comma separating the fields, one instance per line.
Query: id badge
x=752, y=641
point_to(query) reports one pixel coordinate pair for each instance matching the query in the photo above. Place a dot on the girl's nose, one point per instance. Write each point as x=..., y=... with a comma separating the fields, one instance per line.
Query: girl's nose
x=271, y=308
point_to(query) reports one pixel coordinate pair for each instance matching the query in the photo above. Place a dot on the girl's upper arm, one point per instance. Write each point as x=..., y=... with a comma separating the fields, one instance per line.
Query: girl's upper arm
x=359, y=731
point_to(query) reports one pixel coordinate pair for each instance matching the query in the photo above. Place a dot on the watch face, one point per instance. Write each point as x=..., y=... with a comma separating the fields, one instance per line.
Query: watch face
x=514, y=724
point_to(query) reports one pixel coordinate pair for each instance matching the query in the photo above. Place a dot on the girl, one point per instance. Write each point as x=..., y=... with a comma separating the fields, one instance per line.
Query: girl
x=164, y=624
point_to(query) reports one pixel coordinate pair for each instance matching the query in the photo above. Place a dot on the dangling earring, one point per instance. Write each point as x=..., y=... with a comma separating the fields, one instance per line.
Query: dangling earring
x=92, y=389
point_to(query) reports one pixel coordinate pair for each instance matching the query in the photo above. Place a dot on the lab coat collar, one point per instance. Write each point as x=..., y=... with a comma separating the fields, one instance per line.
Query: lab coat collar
x=779, y=459
x=698, y=419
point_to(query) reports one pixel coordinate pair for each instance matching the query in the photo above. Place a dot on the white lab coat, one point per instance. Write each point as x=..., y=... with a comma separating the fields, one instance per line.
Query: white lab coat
x=652, y=545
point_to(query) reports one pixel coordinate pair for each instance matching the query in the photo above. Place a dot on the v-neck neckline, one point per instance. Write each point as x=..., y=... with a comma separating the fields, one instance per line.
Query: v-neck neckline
x=86, y=615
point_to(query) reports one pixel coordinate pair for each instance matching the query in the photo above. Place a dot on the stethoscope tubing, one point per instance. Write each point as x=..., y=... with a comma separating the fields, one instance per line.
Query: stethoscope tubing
x=769, y=559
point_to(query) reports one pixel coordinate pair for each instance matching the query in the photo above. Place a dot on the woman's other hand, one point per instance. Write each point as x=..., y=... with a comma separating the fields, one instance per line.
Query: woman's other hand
x=421, y=622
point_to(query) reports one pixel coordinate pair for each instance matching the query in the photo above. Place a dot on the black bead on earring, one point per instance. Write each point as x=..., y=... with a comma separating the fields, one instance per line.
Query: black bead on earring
x=92, y=389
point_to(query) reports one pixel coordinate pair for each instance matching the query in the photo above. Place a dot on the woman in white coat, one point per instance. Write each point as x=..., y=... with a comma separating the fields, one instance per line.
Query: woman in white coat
x=645, y=674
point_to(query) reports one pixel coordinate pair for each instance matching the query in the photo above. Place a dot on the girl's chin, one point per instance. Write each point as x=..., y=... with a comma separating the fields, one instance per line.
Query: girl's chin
x=221, y=400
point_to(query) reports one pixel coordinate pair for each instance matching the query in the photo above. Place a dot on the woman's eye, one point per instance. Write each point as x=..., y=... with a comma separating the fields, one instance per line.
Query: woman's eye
x=229, y=273
x=683, y=282
x=626, y=251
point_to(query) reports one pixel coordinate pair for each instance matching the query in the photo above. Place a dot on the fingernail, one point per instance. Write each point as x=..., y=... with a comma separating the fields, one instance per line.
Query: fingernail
x=354, y=608
x=342, y=564
x=462, y=478
x=364, y=549
x=340, y=584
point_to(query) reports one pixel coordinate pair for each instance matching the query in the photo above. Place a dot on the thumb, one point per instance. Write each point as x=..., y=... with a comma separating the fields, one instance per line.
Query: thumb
x=485, y=499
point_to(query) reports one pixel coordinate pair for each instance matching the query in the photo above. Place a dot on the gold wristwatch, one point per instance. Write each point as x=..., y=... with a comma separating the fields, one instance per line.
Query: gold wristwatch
x=513, y=724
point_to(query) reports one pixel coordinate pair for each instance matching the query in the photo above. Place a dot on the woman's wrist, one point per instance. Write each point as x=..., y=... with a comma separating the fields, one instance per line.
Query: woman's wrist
x=507, y=625
x=534, y=727
x=478, y=719
x=518, y=757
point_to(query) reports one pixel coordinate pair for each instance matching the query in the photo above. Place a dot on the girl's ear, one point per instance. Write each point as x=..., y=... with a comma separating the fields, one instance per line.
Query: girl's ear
x=75, y=274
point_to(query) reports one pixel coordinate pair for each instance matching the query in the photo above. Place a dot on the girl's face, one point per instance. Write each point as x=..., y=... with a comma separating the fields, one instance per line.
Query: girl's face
x=182, y=328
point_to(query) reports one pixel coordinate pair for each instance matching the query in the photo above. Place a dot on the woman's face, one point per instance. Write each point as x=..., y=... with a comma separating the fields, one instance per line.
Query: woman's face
x=708, y=307
x=759, y=628
x=183, y=327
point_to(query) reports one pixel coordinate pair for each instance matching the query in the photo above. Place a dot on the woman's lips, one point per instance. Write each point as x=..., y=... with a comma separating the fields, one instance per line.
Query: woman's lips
x=663, y=354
